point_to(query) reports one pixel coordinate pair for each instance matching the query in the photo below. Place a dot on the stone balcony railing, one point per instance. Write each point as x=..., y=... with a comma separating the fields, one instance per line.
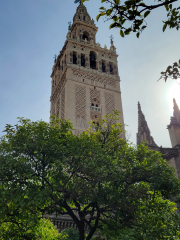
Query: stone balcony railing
x=97, y=109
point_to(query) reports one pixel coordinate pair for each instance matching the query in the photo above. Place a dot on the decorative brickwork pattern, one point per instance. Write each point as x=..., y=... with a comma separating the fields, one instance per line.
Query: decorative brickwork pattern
x=80, y=94
x=56, y=96
x=59, y=87
x=97, y=80
x=110, y=104
x=58, y=106
x=63, y=104
x=94, y=94
x=53, y=108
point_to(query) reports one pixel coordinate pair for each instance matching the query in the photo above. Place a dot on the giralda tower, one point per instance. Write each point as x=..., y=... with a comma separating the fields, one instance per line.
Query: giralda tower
x=85, y=79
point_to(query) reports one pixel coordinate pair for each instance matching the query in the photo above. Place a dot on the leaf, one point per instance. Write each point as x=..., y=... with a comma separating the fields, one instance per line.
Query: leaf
x=143, y=27
x=146, y=13
x=100, y=15
x=113, y=25
x=97, y=17
x=164, y=27
x=137, y=35
x=167, y=7
x=115, y=18
x=122, y=33
x=109, y=11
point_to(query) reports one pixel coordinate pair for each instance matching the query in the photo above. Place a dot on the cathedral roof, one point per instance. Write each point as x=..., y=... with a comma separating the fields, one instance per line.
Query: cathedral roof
x=144, y=133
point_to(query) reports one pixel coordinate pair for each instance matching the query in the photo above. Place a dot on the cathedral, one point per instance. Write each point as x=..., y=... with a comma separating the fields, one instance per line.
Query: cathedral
x=172, y=155
x=86, y=86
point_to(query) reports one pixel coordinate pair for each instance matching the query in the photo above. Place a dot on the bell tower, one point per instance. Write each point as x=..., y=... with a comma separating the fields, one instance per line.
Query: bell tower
x=85, y=80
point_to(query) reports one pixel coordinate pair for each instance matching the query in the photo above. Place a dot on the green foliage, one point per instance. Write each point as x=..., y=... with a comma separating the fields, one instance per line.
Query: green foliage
x=130, y=15
x=155, y=219
x=43, y=229
x=94, y=177
x=172, y=72
x=47, y=231
x=71, y=234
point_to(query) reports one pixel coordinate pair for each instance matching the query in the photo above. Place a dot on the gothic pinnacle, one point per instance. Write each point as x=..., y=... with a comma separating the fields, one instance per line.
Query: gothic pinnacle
x=176, y=111
x=175, y=104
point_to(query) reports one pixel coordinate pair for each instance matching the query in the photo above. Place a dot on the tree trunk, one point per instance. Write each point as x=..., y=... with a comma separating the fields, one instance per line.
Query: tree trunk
x=81, y=230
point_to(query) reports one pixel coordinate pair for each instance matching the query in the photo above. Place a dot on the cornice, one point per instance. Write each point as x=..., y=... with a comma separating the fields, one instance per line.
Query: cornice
x=92, y=45
x=80, y=22
x=93, y=72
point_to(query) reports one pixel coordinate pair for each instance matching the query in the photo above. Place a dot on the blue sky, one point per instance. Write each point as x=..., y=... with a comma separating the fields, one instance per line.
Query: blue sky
x=32, y=31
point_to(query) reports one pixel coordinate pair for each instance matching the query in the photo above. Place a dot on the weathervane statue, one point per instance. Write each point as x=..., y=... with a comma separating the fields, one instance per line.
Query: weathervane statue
x=77, y=1
x=111, y=38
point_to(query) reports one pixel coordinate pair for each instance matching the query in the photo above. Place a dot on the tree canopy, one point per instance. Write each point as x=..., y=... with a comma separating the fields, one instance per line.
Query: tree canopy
x=130, y=17
x=97, y=178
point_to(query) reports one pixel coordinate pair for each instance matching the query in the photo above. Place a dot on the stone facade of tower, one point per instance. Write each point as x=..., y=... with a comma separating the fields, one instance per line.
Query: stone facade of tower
x=85, y=79
x=172, y=155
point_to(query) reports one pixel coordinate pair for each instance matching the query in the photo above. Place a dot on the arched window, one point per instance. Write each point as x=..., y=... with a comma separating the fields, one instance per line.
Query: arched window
x=92, y=60
x=111, y=68
x=95, y=106
x=103, y=66
x=83, y=60
x=74, y=58
x=85, y=35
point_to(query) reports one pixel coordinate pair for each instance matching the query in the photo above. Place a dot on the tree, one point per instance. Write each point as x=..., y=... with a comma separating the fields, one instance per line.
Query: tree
x=94, y=177
x=130, y=16
x=156, y=219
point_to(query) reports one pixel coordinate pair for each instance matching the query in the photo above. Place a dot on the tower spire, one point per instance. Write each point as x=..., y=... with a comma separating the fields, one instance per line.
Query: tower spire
x=176, y=112
x=175, y=120
x=174, y=126
x=82, y=14
x=144, y=133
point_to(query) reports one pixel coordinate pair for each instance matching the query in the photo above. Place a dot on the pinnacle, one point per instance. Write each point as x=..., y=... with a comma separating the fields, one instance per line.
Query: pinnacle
x=176, y=111
x=175, y=103
x=143, y=129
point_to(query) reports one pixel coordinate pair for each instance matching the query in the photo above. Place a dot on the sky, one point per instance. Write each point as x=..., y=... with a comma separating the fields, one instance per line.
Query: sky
x=32, y=31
